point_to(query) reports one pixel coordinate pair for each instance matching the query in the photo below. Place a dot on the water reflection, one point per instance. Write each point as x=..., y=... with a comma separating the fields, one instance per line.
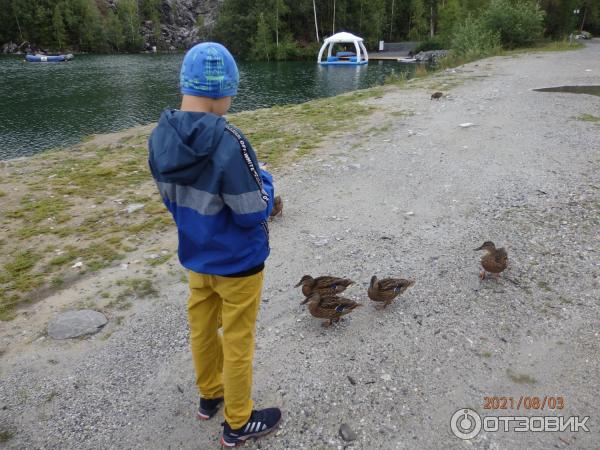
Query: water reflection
x=54, y=105
x=338, y=79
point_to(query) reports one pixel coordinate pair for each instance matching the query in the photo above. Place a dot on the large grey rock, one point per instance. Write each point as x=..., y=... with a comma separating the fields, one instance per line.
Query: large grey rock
x=76, y=323
x=347, y=433
x=431, y=55
x=10, y=47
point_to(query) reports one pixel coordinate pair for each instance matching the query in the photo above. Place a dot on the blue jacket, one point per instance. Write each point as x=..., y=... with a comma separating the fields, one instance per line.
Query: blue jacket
x=209, y=179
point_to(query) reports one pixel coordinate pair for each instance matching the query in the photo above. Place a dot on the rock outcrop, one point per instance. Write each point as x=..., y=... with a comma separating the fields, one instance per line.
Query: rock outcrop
x=431, y=56
x=182, y=23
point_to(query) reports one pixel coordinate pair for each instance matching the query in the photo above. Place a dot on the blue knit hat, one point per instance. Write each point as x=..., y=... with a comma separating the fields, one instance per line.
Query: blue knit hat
x=209, y=70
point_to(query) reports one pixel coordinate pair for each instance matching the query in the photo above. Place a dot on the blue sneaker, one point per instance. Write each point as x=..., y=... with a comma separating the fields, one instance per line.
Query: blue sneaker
x=208, y=407
x=260, y=423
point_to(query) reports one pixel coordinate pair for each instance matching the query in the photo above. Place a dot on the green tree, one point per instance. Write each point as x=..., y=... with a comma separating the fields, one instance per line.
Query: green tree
x=236, y=26
x=418, y=21
x=128, y=13
x=472, y=39
x=114, y=31
x=449, y=13
x=262, y=41
x=517, y=22
x=58, y=27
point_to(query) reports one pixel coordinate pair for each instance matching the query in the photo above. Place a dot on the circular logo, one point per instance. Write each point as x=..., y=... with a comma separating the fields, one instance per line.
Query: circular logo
x=465, y=424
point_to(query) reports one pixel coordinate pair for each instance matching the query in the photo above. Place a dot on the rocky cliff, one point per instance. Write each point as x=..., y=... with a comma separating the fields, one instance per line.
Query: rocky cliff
x=183, y=22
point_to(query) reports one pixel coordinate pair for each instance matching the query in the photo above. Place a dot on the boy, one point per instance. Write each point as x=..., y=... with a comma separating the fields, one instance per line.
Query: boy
x=210, y=180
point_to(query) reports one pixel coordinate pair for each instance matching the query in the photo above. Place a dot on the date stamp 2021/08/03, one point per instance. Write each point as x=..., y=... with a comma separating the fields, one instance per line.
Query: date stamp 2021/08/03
x=525, y=402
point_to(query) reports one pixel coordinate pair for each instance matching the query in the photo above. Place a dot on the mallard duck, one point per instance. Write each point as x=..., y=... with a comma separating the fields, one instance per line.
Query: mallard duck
x=323, y=285
x=437, y=95
x=277, y=207
x=331, y=307
x=387, y=289
x=494, y=261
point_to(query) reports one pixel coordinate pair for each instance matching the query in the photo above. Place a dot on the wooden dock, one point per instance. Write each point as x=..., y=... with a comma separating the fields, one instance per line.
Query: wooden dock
x=387, y=56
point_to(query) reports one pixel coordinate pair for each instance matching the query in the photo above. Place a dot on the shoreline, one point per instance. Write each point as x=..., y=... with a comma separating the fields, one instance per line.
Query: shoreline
x=447, y=63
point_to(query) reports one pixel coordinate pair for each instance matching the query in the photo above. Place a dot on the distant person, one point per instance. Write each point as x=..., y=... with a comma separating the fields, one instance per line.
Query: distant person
x=220, y=198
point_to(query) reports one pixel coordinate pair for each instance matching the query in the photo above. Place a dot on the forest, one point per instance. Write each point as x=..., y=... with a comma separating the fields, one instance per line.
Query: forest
x=291, y=29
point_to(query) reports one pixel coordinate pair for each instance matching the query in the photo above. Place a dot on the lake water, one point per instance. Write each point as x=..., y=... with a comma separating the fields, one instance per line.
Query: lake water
x=46, y=106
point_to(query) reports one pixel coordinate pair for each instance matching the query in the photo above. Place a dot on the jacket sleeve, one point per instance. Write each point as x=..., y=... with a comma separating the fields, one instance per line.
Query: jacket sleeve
x=247, y=190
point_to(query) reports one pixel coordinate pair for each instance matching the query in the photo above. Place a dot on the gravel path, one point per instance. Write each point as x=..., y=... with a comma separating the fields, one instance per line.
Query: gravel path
x=410, y=196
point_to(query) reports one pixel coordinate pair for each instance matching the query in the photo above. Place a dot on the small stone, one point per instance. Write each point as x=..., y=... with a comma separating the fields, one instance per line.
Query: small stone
x=466, y=125
x=77, y=265
x=351, y=380
x=321, y=242
x=76, y=323
x=386, y=377
x=133, y=207
x=347, y=433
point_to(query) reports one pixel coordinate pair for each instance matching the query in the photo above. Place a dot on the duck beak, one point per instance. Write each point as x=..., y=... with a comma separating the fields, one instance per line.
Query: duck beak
x=305, y=301
x=298, y=284
x=478, y=248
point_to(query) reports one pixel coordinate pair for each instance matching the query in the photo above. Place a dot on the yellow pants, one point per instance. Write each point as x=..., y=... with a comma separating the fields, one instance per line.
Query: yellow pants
x=224, y=364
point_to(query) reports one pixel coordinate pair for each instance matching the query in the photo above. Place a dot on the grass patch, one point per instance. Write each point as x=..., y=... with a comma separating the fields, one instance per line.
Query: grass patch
x=588, y=118
x=160, y=260
x=57, y=282
x=134, y=289
x=453, y=60
x=282, y=132
x=546, y=46
x=6, y=435
x=138, y=287
x=544, y=285
x=520, y=378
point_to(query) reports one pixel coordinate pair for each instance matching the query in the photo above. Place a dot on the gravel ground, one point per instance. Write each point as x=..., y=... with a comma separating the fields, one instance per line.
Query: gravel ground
x=411, y=197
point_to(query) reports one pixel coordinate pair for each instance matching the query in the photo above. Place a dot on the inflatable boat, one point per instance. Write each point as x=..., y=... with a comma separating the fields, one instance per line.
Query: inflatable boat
x=48, y=58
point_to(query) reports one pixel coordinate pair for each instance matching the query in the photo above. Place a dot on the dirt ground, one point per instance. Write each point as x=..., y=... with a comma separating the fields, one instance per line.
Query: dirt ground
x=411, y=194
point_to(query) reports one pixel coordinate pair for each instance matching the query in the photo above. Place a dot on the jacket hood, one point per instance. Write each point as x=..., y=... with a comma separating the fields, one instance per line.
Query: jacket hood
x=182, y=142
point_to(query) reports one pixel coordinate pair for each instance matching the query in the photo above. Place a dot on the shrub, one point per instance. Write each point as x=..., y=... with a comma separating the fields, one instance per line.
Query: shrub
x=518, y=22
x=471, y=39
x=429, y=44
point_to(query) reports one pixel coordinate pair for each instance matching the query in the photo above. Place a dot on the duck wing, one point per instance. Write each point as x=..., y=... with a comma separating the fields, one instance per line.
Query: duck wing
x=334, y=284
x=500, y=256
x=395, y=284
